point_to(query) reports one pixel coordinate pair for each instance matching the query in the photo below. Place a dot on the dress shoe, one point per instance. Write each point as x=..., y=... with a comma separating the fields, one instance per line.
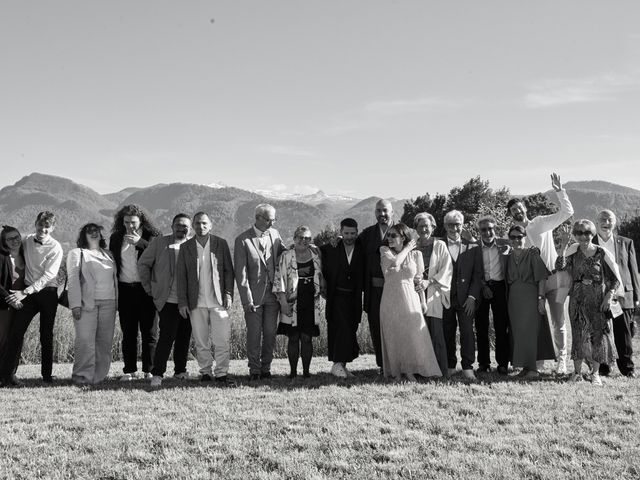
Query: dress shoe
x=222, y=380
x=630, y=374
x=156, y=381
x=503, y=370
x=306, y=374
x=484, y=369
x=337, y=370
x=48, y=379
x=532, y=375
x=205, y=377
x=254, y=377
x=182, y=376
x=265, y=376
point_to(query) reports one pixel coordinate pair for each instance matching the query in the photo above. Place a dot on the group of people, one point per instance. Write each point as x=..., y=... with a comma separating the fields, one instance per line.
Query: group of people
x=418, y=291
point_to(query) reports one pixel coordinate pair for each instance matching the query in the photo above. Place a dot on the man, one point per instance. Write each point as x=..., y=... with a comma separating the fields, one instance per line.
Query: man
x=495, y=253
x=624, y=252
x=205, y=293
x=540, y=234
x=42, y=256
x=343, y=272
x=132, y=232
x=466, y=288
x=255, y=256
x=156, y=268
x=371, y=239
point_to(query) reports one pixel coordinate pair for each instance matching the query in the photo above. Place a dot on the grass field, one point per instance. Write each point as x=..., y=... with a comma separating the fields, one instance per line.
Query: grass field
x=320, y=428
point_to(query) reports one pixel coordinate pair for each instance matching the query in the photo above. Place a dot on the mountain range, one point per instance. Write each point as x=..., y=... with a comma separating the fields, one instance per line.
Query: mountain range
x=231, y=209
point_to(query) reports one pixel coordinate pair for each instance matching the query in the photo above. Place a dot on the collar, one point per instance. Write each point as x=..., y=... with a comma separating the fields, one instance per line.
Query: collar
x=602, y=241
x=454, y=242
x=490, y=245
x=259, y=233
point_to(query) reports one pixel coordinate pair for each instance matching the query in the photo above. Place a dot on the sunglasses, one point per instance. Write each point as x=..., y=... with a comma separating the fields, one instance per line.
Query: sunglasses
x=306, y=239
x=516, y=237
x=486, y=229
x=579, y=233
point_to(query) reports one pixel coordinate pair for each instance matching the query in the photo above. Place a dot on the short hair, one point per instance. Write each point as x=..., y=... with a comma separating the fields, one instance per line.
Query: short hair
x=454, y=215
x=424, y=216
x=585, y=223
x=180, y=215
x=201, y=214
x=403, y=230
x=486, y=219
x=512, y=202
x=82, y=236
x=46, y=216
x=348, y=222
x=608, y=213
x=262, y=208
x=6, y=230
x=517, y=228
x=300, y=230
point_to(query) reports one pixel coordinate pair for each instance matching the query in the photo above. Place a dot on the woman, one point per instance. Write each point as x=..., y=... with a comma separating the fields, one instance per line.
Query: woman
x=93, y=282
x=406, y=343
x=595, y=283
x=436, y=282
x=526, y=275
x=297, y=285
x=12, y=269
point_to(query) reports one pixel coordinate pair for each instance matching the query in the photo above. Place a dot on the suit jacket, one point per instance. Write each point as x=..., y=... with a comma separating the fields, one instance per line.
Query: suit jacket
x=188, y=271
x=334, y=262
x=6, y=279
x=250, y=268
x=625, y=256
x=371, y=242
x=156, y=268
x=504, y=249
x=468, y=272
x=115, y=246
x=81, y=281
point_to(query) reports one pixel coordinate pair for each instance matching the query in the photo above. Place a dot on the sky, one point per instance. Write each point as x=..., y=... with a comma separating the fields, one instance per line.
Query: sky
x=359, y=98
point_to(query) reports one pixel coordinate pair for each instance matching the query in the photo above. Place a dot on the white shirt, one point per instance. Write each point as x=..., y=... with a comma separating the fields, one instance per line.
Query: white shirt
x=42, y=262
x=206, y=296
x=349, y=253
x=454, y=248
x=491, y=261
x=540, y=230
x=265, y=241
x=173, y=291
x=101, y=267
x=609, y=245
x=129, y=265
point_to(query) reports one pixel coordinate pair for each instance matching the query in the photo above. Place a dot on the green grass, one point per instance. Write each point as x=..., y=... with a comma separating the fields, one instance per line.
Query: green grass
x=320, y=428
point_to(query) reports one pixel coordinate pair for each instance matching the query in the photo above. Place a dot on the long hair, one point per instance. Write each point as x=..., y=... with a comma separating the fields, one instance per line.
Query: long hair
x=82, y=236
x=133, y=210
x=403, y=230
x=6, y=230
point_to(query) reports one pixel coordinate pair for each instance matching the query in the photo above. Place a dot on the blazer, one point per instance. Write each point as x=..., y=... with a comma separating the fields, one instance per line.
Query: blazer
x=371, y=242
x=468, y=271
x=6, y=279
x=334, y=262
x=115, y=246
x=82, y=283
x=156, y=268
x=188, y=271
x=250, y=268
x=625, y=256
x=504, y=249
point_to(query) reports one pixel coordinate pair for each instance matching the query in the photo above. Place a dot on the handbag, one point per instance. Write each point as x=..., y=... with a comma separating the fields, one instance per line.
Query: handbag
x=63, y=298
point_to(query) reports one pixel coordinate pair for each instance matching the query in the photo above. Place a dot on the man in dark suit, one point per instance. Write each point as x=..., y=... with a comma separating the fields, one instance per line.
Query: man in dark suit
x=623, y=250
x=343, y=272
x=495, y=253
x=255, y=257
x=205, y=293
x=371, y=239
x=466, y=288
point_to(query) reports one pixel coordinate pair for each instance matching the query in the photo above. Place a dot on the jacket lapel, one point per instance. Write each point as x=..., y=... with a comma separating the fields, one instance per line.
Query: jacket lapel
x=171, y=256
x=256, y=245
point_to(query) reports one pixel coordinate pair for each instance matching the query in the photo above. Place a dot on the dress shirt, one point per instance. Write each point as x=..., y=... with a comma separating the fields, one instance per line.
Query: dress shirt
x=206, y=297
x=265, y=241
x=129, y=266
x=349, y=253
x=455, y=248
x=609, y=245
x=42, y=262
x=173, y=291
x=491, y=260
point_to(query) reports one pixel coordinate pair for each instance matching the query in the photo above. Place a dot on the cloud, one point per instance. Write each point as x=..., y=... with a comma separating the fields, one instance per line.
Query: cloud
x=289, y=150
x=555, y=92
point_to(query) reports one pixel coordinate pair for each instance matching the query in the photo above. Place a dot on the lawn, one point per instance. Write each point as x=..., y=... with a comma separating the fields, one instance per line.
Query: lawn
x=360, y=428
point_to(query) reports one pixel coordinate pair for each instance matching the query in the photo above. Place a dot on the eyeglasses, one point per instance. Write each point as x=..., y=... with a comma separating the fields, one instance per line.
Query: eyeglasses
x=486, y=229
x=580, y=233
x=267, y=219
x=305, y=239
x=516, y=237
x=15, y=238
x=92, y=230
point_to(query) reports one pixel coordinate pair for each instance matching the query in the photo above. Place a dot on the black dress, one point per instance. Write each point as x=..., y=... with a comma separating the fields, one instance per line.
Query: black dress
x=305, y=304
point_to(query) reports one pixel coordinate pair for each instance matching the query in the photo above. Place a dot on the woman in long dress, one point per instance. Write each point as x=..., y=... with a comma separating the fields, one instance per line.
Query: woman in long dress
x=526, y=274
x=406, y=343
x=595, y=284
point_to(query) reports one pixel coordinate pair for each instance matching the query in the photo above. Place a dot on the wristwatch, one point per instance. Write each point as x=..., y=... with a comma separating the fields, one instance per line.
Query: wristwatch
x=540, y=297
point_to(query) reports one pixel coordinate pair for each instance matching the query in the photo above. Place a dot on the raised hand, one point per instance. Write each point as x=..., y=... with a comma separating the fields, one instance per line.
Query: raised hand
x=565, y=235
x=555, y=182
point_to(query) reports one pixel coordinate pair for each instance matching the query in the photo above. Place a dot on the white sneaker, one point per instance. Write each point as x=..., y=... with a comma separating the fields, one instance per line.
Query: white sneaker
x=561, y=367
x=576, y=377
x=468, y=374
x=182, y=376
x=596, y=380
x=338, y=371
x=156, y=381
x=127, y=377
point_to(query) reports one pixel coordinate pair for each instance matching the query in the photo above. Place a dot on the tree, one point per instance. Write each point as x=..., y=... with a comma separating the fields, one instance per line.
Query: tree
x=328, y=233
x=539, y=204
x=435, y=206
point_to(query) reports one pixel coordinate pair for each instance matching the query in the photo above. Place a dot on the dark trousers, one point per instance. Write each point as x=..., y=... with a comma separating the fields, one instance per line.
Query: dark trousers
x=453, y=318
x=436, y=332
x=44, y=302
x=498, y=305
x=373, y=315
x=342, y=330
x=175, y=332
x=623, y=340
x=136, y=310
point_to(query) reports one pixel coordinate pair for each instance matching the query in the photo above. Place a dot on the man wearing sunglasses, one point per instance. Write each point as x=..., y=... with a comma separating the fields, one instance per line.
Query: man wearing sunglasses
x=540, y=234
x=623, y=251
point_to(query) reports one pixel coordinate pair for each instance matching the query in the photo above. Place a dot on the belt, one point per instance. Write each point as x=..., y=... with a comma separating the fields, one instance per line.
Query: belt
x=495, y=282
x=587, y=281
x=377, y=282
x=344, y=290
x=49, y=289
x=305, y=280
x=129, y=284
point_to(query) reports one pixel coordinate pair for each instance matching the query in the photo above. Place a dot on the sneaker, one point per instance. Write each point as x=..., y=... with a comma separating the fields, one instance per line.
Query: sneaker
x=337, y=370
x=576, y=377
x=596, y=380
x=127, y=377
x=468, y=374
x=561, y=367
x=156, y=381
x=182, y=376
x=147, y=375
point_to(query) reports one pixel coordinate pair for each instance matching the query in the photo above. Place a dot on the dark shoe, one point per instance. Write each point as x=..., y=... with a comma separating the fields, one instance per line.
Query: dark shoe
x=223, y=379
x=265, y=376
x=293, y=374
x=254, y=377
x=48, y=379
x=306, y=374
x=206, y=378
x=484, y=369
x=630, y=374
x=14, y=382
x=503, y=370
x=604, y=370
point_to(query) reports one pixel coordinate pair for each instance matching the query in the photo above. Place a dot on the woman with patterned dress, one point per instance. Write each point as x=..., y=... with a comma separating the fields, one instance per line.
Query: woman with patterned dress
x=595, y=282
x=297, y=285
x=406, y=343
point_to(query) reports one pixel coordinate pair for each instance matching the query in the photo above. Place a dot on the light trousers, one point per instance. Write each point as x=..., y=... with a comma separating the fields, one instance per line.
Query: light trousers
x=93, y=342
x=261, y=335
x=558, y=327
x=211, y=326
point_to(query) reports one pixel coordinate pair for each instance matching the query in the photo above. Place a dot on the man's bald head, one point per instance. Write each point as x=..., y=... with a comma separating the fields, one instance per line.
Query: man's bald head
x=384, y=211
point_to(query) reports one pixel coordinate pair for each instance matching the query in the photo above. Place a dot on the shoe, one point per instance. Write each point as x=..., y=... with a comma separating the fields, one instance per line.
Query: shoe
x=532, y=374
x=254, y=377
x=205, y=377
x=182, y=376
x=503, y=370
x=561, y=367
x=14, y=382
x=293, y=374
x=523, y=372
x=337, y=370
x=265, y=376
x=306, y=374
x=147, y=375
x=630, y=374
x=596, y=380
x=451, y=371
x=156, y=381
x=468, y=374
x=127, y=377
x=223, y=379
x=48, y=379
x=349, y=374
x=411, y=378
x=484, y=369
x=576, y=377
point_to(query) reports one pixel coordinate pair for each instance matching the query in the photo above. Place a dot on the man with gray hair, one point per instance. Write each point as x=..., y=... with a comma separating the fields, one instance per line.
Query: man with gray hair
x=466, y=288
x=256, y=255
x=623, y=251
